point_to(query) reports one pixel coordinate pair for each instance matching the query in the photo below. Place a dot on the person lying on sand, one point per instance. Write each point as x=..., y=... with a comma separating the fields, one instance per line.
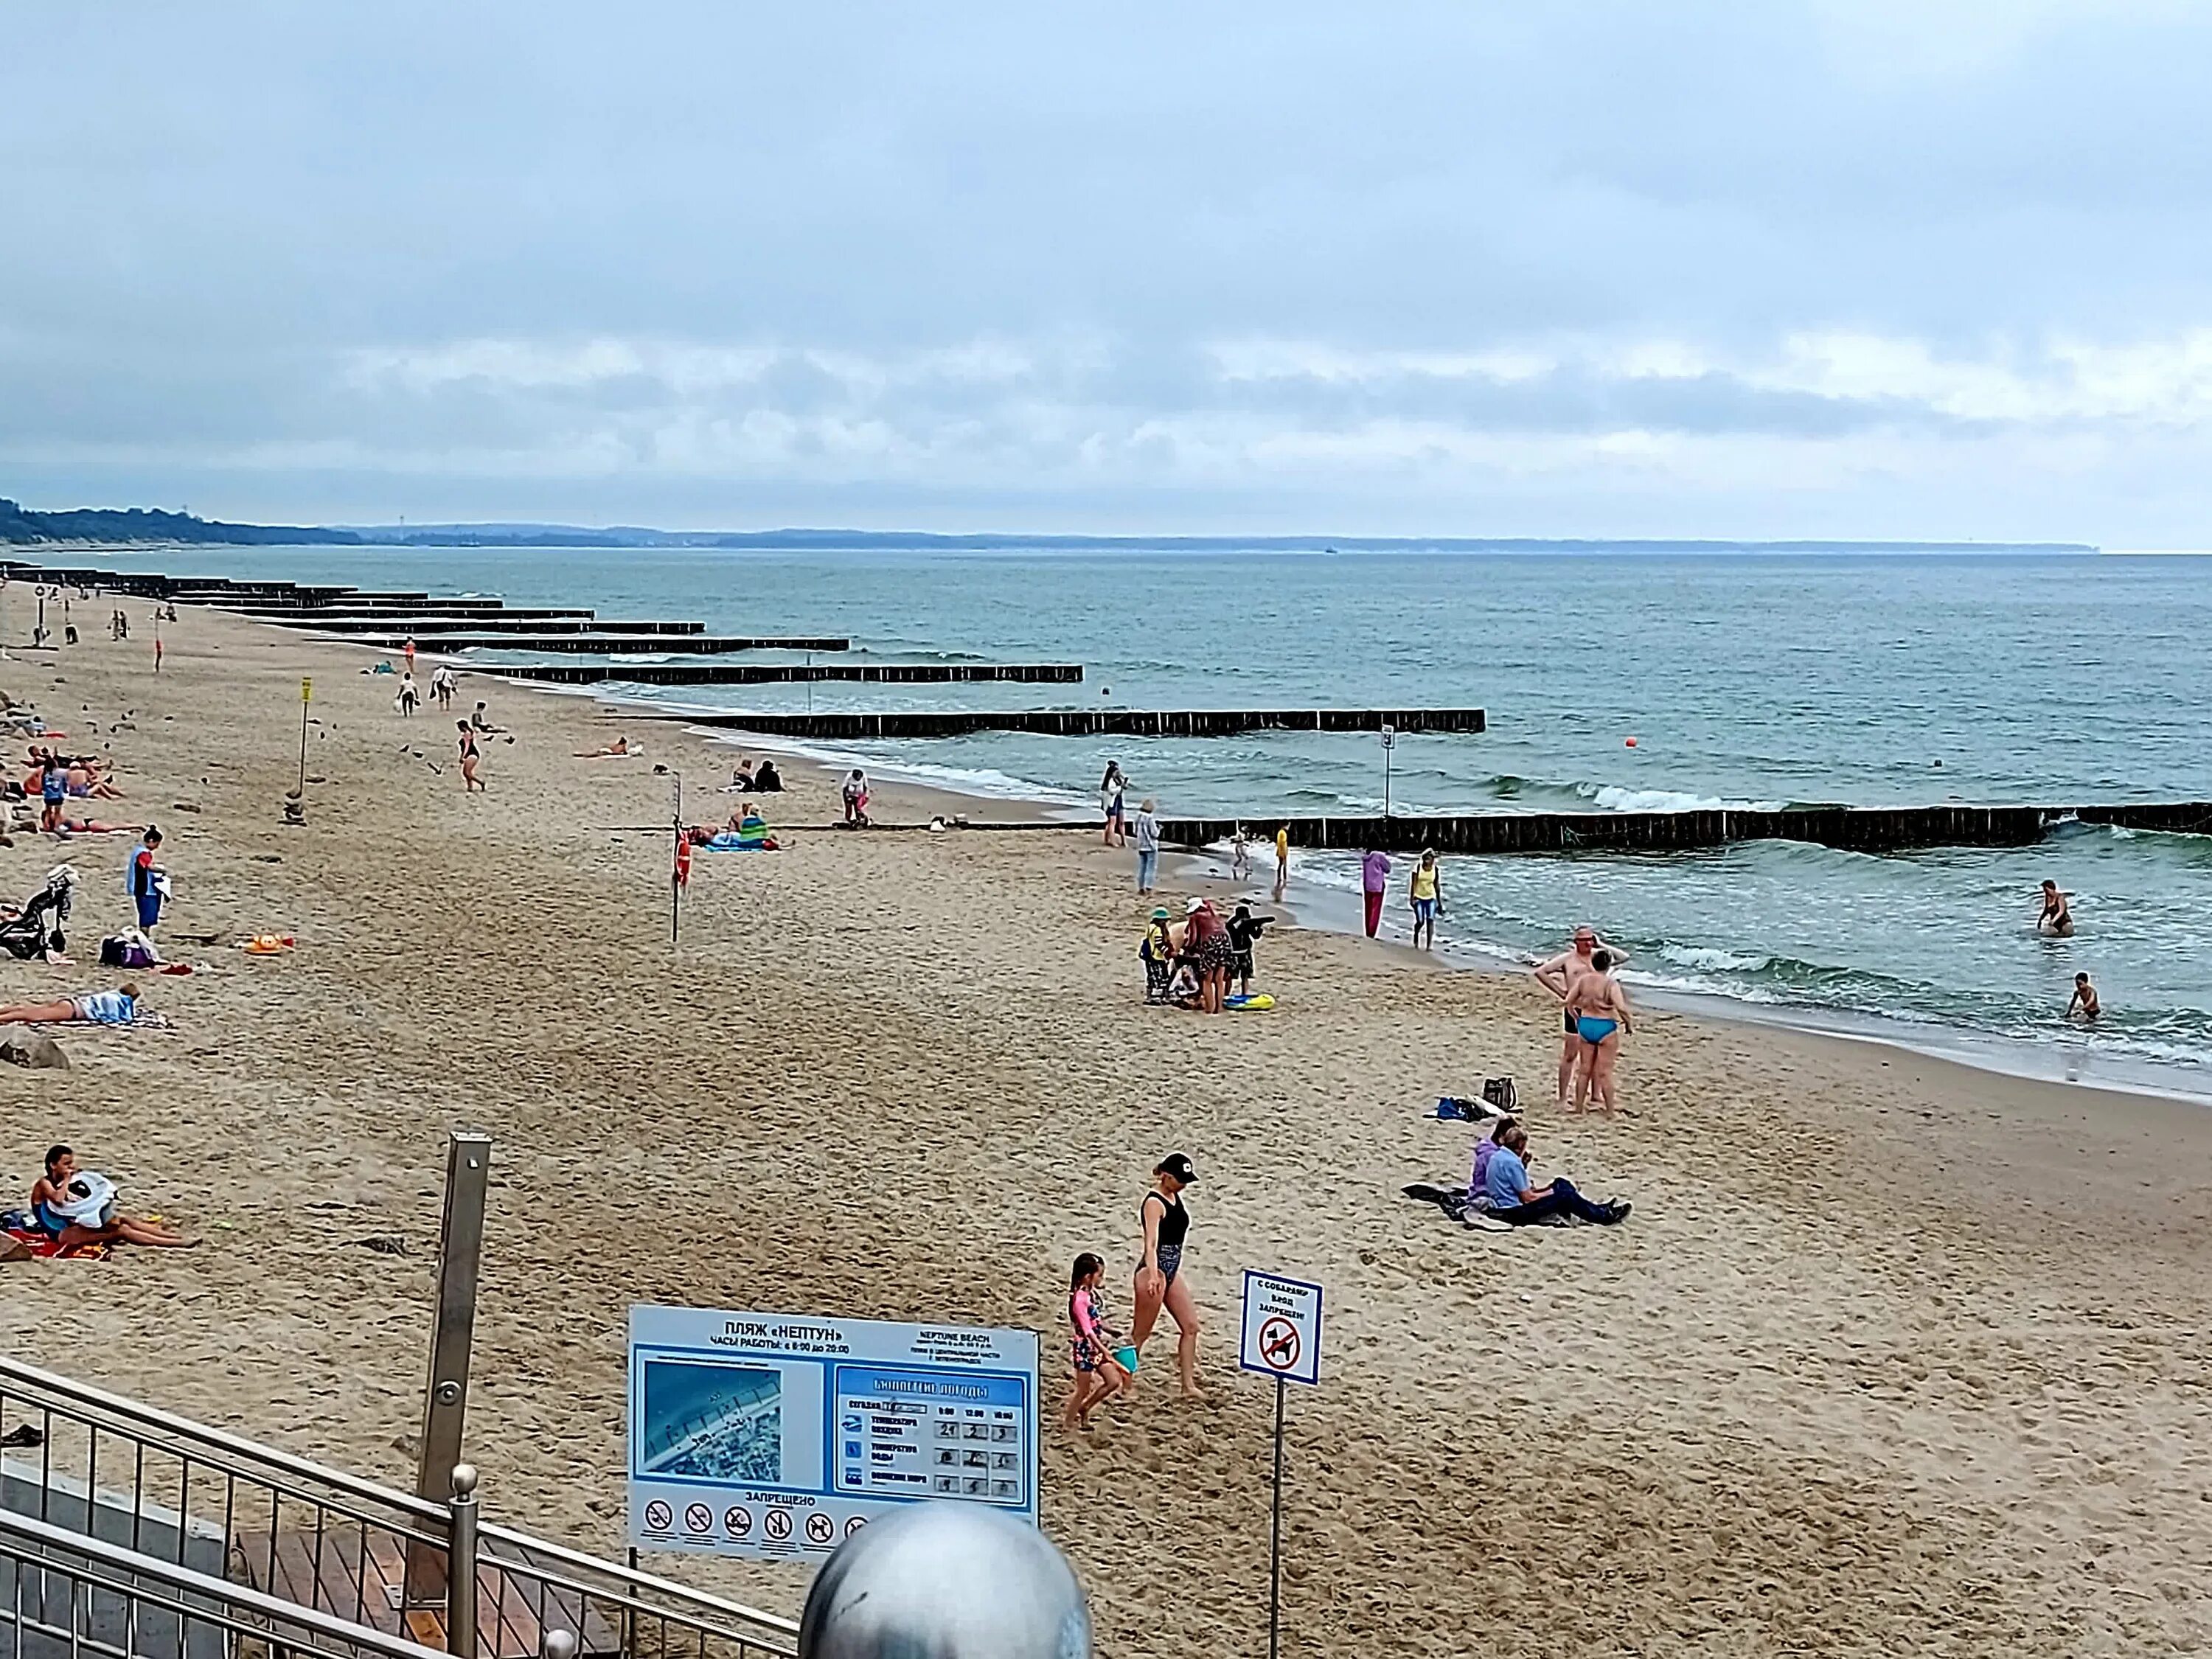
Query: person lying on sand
x=95, y=827
x=1505, y=1184
x=609, y=751
x=74, y=1209
x=116, y=1007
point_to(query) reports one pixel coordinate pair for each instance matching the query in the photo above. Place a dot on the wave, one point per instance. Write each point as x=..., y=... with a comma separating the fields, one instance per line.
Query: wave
x=980, y=780
x=1615, y=798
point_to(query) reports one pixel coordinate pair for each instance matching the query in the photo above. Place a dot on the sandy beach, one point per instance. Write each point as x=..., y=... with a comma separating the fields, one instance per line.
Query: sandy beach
x=1895, y=1356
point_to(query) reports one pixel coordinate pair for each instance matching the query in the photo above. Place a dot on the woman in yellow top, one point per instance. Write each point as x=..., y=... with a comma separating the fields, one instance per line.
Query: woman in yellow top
x=1426, y=889
x=1282, y=861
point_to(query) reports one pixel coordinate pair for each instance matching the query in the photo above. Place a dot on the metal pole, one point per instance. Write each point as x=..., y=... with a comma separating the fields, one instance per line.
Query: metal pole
x=303, y=748
x=461, y=1564
x=1275, y=1539
x=446, y=1395
x=675, y=867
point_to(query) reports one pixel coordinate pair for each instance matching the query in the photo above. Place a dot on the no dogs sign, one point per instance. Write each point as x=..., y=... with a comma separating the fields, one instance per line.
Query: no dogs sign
x=1282, y=1328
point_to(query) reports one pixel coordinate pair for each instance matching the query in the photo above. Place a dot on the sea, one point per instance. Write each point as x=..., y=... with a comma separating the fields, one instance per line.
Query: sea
x=1614, y=679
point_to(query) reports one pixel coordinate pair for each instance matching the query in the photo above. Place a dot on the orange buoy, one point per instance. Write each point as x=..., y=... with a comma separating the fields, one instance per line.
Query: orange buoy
x=1631, y=743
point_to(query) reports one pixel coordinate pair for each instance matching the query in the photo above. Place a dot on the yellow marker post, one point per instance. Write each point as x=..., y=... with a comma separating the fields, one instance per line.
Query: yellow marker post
x=307, y=696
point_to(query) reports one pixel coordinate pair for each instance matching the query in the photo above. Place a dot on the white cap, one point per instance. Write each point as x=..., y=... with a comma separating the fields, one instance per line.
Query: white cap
x=1193, y=907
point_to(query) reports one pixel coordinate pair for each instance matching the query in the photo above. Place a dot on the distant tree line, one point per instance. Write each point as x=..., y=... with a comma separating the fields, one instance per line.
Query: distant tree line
x=19, y=525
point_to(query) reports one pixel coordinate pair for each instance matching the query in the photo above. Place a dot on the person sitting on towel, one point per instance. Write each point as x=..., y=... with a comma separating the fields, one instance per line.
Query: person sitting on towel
x=77, y=1207
x=1478, y=1188
x=766, y=780
x=1505, y=1184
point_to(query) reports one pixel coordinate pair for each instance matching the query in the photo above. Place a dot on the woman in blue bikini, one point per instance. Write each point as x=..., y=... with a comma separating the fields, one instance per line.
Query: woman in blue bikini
x=1602, y=1017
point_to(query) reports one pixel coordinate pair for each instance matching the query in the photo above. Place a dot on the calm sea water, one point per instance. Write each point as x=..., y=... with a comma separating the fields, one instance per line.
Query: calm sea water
x=1895, y=678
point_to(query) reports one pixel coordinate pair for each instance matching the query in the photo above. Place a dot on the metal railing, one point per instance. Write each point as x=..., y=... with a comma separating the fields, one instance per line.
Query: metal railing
x=66, y=1595
x=164, y=1488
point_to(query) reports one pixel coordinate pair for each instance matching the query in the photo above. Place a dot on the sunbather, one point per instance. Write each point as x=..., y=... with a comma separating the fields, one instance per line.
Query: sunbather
x=75, y=1210
x=117, y=1007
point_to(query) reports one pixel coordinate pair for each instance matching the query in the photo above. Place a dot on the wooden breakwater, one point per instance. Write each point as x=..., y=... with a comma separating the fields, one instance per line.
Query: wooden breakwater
x=430, y=627
x=1853, y=828
x=596, y=645
x=775, y=673
x=1095, y=722
x=429, y=613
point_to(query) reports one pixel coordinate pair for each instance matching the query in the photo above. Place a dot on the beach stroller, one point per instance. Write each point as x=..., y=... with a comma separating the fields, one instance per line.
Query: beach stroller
x=37, y=927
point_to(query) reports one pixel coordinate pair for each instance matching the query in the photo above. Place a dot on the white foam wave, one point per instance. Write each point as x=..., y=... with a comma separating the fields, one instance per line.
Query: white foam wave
x=981, y=781
x=1614, y=798
x=1710, y=959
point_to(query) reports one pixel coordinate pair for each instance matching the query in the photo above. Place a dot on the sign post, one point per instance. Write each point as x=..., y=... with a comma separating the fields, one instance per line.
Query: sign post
x=777, y=1438
x=679, y=874
x=1282, y=1339
x=307, y=696
x=1389, y=742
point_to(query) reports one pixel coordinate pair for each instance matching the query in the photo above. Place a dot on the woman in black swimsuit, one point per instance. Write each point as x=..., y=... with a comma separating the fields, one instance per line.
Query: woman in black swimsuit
x=1160, y=1283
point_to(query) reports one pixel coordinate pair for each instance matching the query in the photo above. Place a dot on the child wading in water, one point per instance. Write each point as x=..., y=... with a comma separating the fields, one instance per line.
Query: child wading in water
x=1102, y=1364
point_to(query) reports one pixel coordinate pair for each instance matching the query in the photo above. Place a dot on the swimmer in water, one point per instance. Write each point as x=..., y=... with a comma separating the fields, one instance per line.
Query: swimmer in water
x=2084, y=1003
x=2055, y=920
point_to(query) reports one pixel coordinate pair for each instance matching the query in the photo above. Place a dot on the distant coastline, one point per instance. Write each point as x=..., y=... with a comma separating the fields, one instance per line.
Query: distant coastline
x=91, y=527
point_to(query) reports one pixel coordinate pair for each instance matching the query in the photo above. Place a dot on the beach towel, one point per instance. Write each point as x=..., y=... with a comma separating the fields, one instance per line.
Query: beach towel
x=1455, y=1203
x=45, y=1247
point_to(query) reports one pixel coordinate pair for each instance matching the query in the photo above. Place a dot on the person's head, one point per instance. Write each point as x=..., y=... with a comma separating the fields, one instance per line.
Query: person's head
x=1148, y=805
x=1160, y=912
x=2081, y=980
x=1244, y=913
x=1504, y=1126
x=1086, y=1271
x=1585, y=940
x=130, y=989
x=2049, y=886
x=1428, y=857
x=1601, y=960
x=1514, y=1139
x=1193, y=907
x=153, y=835
x=1175, y=1172
x=462, y=726
x=61, y=1163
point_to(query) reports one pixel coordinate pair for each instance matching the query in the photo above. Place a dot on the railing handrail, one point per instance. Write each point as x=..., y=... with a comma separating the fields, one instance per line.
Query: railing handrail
x=252, y=1452
x=236, y=1445
x=60, y=1542
x=529, y=1545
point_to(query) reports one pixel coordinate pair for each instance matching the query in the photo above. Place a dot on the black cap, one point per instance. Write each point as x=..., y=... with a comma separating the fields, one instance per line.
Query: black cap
x=1178, y=1165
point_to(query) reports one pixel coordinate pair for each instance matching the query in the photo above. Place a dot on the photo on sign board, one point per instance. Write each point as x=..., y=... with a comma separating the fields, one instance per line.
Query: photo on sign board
x=707, y=1422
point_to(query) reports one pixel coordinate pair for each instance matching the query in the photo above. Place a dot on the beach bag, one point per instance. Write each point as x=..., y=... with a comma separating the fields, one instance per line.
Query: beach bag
x=1499, y=1092
x=126, y=951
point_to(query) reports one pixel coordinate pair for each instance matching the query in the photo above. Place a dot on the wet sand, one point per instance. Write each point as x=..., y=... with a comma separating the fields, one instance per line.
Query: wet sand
x=1895, y=1356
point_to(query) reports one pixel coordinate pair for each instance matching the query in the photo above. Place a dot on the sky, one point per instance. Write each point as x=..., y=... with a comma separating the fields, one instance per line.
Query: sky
x=1891, y=268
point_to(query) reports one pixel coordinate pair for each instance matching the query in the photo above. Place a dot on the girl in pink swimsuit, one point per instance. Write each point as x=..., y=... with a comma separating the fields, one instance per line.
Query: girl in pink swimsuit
x=1095, y=1351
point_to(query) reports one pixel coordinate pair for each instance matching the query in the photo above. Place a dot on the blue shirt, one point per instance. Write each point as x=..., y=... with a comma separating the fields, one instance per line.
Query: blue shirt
x=1506, y=1180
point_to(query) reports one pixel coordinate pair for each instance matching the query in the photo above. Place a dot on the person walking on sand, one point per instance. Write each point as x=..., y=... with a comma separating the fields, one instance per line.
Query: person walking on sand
x=1111, y=789
x=1282, y=860
x=1374, y=882
x=1553, y=976
x=1205, y=942
x=145, y=882
x=470, y=759
x=1147, y=837
x=407, y=650
x=1602, y=1017
x=1425, y=891
x=442, y=687
x=1097, y=1351
x=2084, y=1001
x=407, y=701
x=1160, y=1283
x=2055, y=918
x=53, y=791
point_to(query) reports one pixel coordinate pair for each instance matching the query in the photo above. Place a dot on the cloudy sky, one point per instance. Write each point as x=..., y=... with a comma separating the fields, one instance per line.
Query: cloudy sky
x=1888, y=268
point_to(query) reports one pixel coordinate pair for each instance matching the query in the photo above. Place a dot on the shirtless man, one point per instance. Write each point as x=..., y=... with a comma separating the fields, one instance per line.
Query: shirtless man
x=1553, y=976
x=2055, y=920
x=1602, y=1017
x=2084, y=1001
